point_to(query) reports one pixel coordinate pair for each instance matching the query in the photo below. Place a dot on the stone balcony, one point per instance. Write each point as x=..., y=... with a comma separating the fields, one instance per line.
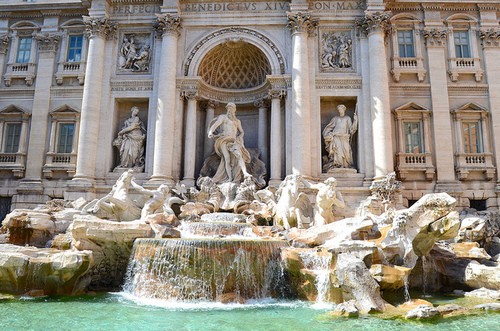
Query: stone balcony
x=408, y=65
x=14, y=162
x=70, y=70
x=458, y=66
x=26, y=71
x=471, y=165
x=414, y=166
x=59, y=162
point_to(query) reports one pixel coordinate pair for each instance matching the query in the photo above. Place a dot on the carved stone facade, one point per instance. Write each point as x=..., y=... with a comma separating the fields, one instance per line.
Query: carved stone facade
x=419, y=80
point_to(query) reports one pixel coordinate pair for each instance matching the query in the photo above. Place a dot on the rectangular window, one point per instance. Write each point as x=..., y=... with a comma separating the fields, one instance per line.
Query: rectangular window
x=75, y=48
x=65, y=137
x=24, y=50
x=11, y=137
x=462, y=46
x=405, y=43
x=472, y=137
x=413, y=137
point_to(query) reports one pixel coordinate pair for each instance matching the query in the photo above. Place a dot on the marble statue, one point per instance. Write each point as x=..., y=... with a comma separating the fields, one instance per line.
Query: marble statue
x=327, y=199
x=128, y=51
x=161, y=200
x=293, y=208
x=130, y=142
x=228, y=134
x=206, y=200
x=117, y=203
x=337, y=136
x=142, y=60
x=135, y=53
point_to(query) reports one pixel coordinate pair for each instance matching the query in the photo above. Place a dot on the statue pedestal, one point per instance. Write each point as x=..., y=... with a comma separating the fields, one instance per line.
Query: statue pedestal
x=346, y=177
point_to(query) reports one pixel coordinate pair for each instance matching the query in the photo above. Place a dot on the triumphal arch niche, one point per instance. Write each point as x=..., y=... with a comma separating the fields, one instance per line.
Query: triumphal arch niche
x=241, y=66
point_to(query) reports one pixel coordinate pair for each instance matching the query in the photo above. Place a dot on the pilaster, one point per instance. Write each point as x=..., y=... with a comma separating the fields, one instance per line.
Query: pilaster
x=435, y=40
x=276, y=137
x=190, y=137
x=209, y=116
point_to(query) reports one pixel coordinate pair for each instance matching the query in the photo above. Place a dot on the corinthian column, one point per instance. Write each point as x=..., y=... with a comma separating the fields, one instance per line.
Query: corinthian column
x=209, y=116
x=190, y=138
x=262, y=134
x=301, y=25
x=490, y=38
x=168, y=27
x=276, y=134
x=435, y=39
x=98, y=29
x=375, y=25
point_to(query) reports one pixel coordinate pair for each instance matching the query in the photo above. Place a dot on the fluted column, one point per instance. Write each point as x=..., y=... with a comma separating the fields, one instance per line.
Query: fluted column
x=47, y=44
x=209, y=116
x=276, y=134
x=190, y=137
x=375, y=26
x=490, y=38
x=435, y=39
x=168, y=26
x=301, y=25
x=98, y=29
x=262, y=138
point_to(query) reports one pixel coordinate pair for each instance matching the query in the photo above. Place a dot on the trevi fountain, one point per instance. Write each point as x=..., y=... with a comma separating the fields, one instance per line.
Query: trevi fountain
x=233, y=254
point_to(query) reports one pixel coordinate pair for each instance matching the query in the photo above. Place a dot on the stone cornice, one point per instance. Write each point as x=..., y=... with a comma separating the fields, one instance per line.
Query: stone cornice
x=301, y=22
x=373, y=22
x=99, y=27
x=329, y=84
x=167, y=24
x=490, y=37
x=48, y=42
x=435, y=36
x=4, y=43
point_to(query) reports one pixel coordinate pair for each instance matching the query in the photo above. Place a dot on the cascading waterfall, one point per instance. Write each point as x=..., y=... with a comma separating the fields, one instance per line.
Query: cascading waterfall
x=406, y=288
x=319, y=264
x=214, y=229
x=222, y=270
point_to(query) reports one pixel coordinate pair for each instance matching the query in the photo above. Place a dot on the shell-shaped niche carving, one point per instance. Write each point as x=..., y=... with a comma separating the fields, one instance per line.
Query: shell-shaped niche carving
x=235, y=64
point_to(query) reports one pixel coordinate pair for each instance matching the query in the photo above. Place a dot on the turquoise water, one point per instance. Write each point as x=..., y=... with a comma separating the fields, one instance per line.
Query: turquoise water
x=116, y=312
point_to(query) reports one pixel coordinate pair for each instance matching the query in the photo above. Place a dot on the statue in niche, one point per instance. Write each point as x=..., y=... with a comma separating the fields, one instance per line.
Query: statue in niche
x=337, y=136
x=337, y=51
x=135, y=53
x=117, y=203
x=130, y=142
x=228, y=134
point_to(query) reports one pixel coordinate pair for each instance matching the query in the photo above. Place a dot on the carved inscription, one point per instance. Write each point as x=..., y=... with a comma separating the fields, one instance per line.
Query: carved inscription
x=135, y=9
x=235, y=6
x=337, y=5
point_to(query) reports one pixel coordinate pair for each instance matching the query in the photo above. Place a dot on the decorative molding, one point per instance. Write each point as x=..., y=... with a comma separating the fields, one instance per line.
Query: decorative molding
x=373, y=22
x=48, y=42
x=190, y=95
x=66, y=92
x=167, y=24
x=490, y=37
x=435, y=36
x=4, y=43
x=99, y=26
x=236, y=30
x=301, y=22
x=330, y=84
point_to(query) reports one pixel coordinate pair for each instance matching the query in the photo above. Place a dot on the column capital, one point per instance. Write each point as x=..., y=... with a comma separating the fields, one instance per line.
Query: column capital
x=261, y=104
x=4, y=43
x=48, y=42
x=212, y=104
x=167, y=24
x=276, y=94
x=190, y=95
x=99, y=27
x=435, y=36
x=374, y=22
x=301, y=22
x=490, y=37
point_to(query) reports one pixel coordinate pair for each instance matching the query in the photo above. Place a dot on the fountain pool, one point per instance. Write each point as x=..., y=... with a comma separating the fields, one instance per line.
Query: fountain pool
x=119, y=312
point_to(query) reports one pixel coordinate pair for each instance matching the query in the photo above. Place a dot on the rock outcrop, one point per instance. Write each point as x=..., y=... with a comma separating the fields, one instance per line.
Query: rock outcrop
x=47, y=271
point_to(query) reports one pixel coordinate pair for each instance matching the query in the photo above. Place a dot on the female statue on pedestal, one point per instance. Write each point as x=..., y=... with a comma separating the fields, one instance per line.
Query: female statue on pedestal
x=130, y=142
x=337, y=136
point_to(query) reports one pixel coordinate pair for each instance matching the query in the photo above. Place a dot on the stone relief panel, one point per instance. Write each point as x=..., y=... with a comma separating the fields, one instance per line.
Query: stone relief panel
x=134, y=54
x=336, y=51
